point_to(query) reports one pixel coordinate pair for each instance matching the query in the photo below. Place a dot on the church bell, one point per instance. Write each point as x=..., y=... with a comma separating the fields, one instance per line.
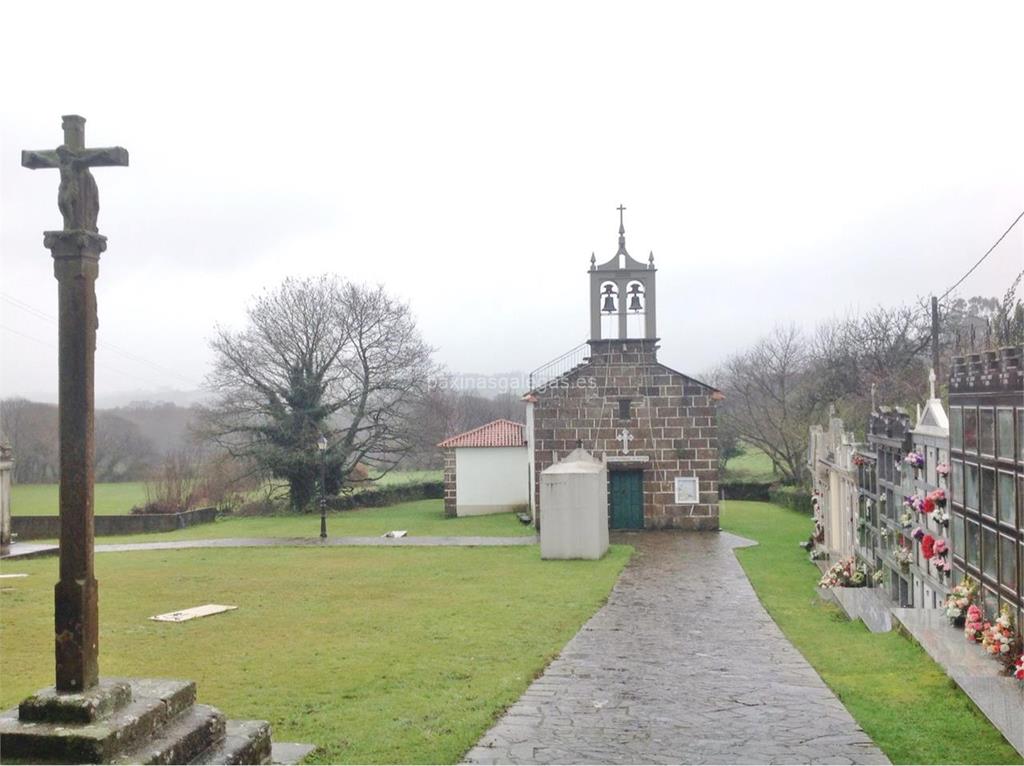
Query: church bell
x=634, y=298
x=608, y=306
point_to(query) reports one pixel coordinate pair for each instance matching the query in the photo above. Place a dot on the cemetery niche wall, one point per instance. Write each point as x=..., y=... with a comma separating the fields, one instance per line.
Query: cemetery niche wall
x=986, y=424
x=653, y=427
x=886, y=502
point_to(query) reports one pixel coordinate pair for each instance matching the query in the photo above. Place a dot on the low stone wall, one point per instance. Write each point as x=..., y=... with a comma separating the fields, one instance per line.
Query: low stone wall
x=48, y=527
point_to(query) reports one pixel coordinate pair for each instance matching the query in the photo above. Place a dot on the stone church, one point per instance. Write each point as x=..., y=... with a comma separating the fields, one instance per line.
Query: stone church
x=654, y=427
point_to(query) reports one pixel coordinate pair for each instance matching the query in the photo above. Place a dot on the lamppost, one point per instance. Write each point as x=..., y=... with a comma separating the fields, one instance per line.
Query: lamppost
x=322, y=446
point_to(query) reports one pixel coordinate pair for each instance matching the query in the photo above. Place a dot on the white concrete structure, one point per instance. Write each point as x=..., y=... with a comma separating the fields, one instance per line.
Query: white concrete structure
x=486, y=470
x=574, y=496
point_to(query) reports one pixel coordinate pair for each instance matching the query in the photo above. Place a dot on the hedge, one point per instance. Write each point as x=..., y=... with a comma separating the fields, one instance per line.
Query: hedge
x=744, y=490
x=375, y=497
x=795, y=498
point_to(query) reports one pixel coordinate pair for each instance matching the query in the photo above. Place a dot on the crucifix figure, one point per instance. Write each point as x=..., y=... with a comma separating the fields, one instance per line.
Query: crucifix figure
x=77, y=196
x=76, y=254
x=624, y=437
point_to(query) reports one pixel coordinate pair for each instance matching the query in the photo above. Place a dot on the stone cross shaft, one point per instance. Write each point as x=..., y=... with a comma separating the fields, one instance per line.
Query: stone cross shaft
x=624, y=437
x=76, y=253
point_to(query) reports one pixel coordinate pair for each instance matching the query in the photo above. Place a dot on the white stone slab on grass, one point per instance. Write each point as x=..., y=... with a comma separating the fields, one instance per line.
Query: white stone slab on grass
x=396, y=533
x=5, y=576
x=194, y=613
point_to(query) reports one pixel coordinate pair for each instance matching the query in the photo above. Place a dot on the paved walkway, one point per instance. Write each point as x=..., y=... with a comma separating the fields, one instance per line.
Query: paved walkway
x=29, y=550
x=683, y=664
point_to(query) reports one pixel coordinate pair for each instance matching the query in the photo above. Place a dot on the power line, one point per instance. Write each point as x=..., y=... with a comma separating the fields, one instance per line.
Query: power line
x=986, y=255
x=52, y=345
x=106, y=345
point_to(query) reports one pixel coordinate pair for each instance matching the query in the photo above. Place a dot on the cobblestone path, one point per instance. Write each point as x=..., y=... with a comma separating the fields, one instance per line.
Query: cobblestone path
x=682, y=665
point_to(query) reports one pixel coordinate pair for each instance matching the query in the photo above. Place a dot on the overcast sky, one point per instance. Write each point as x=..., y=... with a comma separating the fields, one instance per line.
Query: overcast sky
x=786, y=162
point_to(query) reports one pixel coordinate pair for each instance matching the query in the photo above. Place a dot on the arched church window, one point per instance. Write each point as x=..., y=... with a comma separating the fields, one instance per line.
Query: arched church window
x=609, y=310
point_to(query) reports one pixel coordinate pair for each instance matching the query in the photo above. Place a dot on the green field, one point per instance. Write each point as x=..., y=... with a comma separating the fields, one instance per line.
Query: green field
x=750, y=465
x=901, y=698
x=376, y=656
x=420, y=518
x=112, y=499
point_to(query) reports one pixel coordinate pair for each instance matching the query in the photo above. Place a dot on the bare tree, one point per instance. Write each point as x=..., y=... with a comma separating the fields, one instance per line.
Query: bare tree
x=771, y=400
x=318, y=357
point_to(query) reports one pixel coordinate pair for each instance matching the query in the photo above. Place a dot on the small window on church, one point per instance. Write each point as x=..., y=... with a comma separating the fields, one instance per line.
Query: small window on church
x=624, y=409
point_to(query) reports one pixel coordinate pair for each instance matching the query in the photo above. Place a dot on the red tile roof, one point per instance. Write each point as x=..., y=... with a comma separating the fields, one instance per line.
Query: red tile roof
x=500, y=433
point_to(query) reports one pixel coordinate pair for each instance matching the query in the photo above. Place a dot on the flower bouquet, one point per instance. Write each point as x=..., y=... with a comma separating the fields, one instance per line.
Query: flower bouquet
x=918, y=534
x=927, y=546
x=1018, y=669
x=937, y=497
x=941, y=517
x=915, y=459
x=1001, y=640
x=975, y=625
x=942, y=469
x=844, y=574
x=907, y=520
x=959, y=599
x=904, y=557
x=859, y=460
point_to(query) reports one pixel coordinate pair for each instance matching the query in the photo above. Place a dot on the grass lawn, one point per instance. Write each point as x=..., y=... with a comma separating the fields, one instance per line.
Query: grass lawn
x=118, y=498
x=750, y=465
x=420, y=518
x=110, y=499
x=377, y=656
x=901, y=698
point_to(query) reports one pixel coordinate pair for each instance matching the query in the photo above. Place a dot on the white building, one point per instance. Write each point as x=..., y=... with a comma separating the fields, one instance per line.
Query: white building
x=486, y=470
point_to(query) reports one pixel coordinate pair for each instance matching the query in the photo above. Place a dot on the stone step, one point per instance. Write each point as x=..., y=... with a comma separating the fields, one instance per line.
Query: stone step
x=154, y=703
x=193, y=732
x=243, y=742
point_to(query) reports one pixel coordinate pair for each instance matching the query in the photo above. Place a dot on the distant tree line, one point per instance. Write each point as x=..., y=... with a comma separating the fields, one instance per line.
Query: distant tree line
x=790, y=379
x=130, y=440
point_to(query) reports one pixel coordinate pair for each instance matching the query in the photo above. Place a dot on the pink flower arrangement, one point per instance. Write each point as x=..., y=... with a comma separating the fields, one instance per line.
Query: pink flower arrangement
x=942, y=469
x=916, y=459
x=938, y=498
x=959, y=599
x=941, y=547
x=844, y=574
x=998, y=637
x=975, y=626
x=1018, y=669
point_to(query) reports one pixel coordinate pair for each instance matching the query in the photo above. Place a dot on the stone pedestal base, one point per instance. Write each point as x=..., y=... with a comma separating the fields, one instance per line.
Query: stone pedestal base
x=128, y=721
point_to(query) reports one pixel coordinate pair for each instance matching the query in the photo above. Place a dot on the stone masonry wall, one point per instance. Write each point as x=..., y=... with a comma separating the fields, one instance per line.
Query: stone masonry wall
x=672, y=419
x=449, y=482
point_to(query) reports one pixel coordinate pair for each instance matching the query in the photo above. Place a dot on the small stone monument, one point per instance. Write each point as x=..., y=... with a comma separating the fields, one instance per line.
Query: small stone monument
x=83, y=718
x=574, y=495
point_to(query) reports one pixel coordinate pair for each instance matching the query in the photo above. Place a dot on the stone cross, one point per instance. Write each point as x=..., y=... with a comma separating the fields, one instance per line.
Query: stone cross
x=77, y=196
x=624, y=437
x=76, y=254
x=931, y=383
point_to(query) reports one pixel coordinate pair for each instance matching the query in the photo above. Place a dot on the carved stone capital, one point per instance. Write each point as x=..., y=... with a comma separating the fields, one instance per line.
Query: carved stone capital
x=76, y=253
x=74, y=243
